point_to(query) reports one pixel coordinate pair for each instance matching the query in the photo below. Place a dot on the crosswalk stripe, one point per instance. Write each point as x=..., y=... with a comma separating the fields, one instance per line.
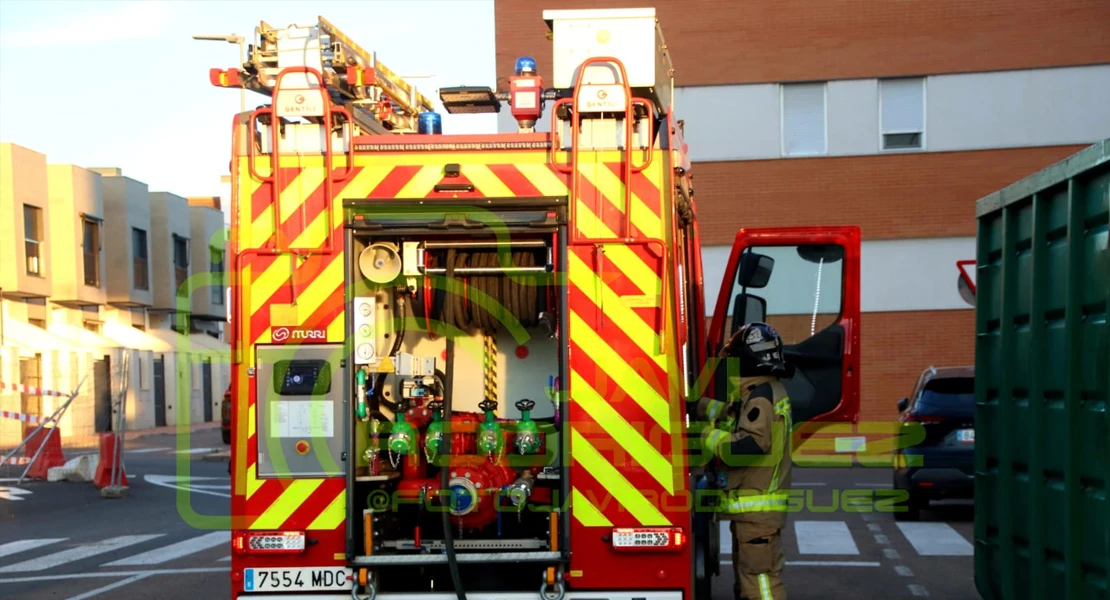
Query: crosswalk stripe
x=21, y=545
x=225, y=559
x=78, y=553
x=824, y=537
x=936, y=539
x=177, y=550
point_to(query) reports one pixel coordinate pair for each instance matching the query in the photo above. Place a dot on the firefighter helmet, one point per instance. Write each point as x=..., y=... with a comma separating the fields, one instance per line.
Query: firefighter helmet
x=759, y=348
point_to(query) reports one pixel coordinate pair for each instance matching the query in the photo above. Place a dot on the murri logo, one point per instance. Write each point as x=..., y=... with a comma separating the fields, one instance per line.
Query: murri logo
x=283, y=334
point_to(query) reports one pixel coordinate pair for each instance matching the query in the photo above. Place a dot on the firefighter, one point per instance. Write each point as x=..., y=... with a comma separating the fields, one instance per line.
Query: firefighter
x=749, y=438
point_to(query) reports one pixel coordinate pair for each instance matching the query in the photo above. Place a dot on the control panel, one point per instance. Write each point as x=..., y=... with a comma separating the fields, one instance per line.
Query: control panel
x=302, y=377
x=301, y=412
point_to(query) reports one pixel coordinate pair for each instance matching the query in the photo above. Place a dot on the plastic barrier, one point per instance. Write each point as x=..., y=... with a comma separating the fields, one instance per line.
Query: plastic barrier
x=103, y=477
x=51, y=455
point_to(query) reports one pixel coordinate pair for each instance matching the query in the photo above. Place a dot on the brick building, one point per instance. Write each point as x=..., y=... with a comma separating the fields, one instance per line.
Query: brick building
x=895, y=116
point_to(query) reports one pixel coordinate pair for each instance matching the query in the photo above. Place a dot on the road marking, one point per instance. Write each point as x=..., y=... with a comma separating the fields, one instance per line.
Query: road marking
x=891, y=553
x=804, y=563
x=78, y=553
x=186, y=483
x=196, y=450
x=13, y=493
x=882, y=539
x=116, y=574
x=109, y=587
x=146, y=450
x=918, y=590
x=875, y=485
x=874, y=528
x=808, y=484
x=225, y=559
x=903, y=570
x=21, y=545
x=824, y=537
x=936, y=539
x=182, y=548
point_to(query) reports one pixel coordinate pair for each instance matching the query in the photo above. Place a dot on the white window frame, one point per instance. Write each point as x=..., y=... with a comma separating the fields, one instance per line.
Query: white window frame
x=824, y=120
x=924, y=117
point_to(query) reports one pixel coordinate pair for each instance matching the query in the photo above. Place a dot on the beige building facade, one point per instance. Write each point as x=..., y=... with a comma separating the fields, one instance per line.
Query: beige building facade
x=96, y=272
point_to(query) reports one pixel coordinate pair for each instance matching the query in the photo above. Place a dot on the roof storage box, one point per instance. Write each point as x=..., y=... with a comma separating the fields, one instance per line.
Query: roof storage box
x=631, y=35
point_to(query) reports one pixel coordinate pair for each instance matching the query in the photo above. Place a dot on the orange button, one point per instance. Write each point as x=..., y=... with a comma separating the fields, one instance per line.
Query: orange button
x=302, y=447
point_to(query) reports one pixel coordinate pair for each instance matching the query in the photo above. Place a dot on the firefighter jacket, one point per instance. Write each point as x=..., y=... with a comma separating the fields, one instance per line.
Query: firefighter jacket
x=749, y=437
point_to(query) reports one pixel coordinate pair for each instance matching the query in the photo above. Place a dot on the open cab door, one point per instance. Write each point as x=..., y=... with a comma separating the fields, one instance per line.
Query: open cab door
x=804, y=282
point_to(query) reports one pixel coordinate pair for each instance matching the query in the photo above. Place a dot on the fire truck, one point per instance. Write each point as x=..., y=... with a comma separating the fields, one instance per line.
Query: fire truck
x=465, y=365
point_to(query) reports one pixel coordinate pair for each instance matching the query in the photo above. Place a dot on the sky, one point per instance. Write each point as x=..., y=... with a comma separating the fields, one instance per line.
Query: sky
x=123, y=84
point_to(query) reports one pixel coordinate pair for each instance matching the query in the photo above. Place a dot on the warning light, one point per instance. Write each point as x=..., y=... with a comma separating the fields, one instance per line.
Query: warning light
x=525, y=65
x=429, y=123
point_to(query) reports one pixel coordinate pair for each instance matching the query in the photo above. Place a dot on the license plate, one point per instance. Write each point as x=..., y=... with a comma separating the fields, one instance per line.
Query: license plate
x=965, y=435
x=306, y=578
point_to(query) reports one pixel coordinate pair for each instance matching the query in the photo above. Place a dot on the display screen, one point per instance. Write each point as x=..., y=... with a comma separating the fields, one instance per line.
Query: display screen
x=302, y=377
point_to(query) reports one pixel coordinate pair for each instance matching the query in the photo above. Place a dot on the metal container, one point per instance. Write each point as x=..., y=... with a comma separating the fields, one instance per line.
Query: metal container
x=1042, y=354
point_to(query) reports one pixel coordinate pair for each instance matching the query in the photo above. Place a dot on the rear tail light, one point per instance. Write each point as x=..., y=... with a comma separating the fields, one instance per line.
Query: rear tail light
x=648, y=538
x=269, y=542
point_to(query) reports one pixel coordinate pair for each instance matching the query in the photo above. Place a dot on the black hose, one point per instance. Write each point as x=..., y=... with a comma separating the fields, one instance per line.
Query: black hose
x=449, y=368
x=502, y=296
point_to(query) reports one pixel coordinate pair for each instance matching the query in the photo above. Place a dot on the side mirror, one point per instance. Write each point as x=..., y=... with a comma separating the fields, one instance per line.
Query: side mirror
x=748, y=309
x=903, y=404
x=821, y=253
x=755, y=270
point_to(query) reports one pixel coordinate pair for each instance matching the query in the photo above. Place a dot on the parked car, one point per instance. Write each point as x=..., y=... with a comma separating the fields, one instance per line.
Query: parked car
x=225, y=416
x=942, y=465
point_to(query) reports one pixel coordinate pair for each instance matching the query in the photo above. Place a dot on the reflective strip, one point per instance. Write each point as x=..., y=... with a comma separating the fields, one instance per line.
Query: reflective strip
x=289, y=501
x=765, y=587
x=333, y=515
x=625, y=435
x=630, y=498
x=713, y=440
x=714, y=409
x=757, y=503
x=585, y=512
x=778, y=442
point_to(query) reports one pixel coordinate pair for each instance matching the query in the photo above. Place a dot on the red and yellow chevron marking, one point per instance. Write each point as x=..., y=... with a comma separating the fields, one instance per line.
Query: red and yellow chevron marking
x=625, y=441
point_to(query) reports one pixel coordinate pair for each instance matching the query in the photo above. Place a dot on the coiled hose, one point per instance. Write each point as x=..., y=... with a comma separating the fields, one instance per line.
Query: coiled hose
x=502, y=295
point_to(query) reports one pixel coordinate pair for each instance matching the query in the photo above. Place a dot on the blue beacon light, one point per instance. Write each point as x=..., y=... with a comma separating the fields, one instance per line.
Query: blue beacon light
x=525, y=65
x=429, y=122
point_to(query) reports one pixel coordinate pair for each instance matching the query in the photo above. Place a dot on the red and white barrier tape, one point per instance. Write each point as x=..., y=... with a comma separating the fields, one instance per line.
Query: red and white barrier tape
x=32, y=419
x=31, y=390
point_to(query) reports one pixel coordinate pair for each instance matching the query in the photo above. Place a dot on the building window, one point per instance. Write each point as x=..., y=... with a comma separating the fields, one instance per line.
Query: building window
x=216, y=268
x=90, y=231
x=139, y=263
x=181, y=263
x=40, y=323
x=902, y=113
x=92, y=326
x=803, y=119
x=32, y=238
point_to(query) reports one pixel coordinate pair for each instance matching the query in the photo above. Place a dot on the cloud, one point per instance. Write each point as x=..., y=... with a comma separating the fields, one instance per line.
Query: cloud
x=132, y=21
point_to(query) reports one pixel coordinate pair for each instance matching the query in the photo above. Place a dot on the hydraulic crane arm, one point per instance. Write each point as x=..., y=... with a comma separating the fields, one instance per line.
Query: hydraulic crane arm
x=379, y=100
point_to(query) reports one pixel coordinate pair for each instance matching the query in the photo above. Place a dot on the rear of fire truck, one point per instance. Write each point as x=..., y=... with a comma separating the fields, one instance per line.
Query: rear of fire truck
x=462, y=363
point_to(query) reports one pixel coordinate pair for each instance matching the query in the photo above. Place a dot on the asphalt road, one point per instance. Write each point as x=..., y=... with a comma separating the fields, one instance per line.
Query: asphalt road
x=63, y=541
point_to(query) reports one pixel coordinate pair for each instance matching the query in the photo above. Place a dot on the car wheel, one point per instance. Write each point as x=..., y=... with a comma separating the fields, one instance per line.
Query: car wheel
x=226, y=434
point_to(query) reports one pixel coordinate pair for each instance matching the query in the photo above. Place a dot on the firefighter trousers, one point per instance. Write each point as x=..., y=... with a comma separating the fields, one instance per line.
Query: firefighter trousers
x=757, y=559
